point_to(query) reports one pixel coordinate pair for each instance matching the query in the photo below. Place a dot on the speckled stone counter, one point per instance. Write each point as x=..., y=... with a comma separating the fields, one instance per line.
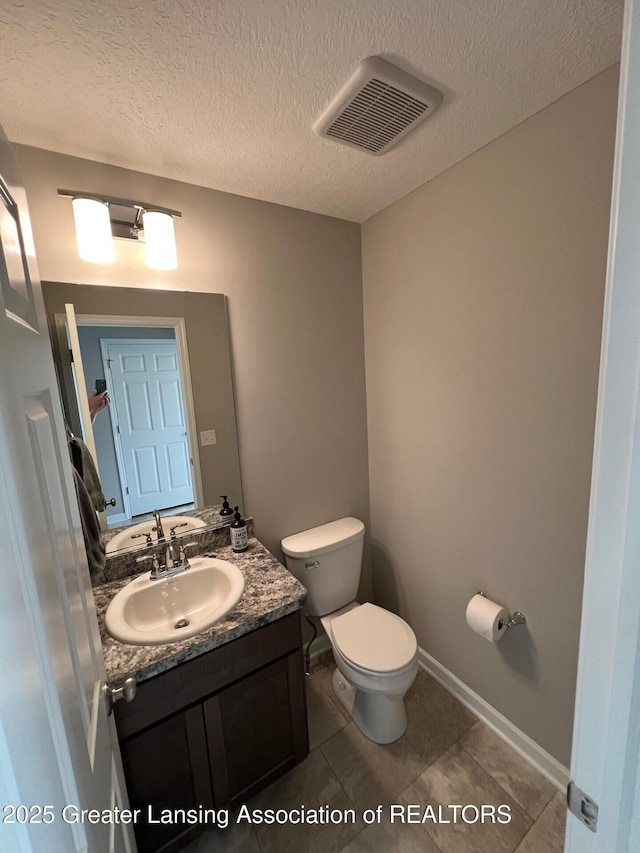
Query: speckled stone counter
x=270, y=593
x=121, y=564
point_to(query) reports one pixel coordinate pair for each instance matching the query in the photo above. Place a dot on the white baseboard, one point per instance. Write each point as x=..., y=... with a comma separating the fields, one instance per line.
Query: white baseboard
x=538, y=757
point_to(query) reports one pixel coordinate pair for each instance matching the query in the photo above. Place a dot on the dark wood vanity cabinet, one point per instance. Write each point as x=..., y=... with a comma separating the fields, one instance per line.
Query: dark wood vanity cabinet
x=215, y=730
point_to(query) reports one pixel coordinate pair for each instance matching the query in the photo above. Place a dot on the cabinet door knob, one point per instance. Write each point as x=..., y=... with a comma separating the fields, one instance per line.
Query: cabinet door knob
x=126, y=691
x=112, y=502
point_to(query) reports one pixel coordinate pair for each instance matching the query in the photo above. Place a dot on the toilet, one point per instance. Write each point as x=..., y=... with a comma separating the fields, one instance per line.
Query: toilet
x=375, y=651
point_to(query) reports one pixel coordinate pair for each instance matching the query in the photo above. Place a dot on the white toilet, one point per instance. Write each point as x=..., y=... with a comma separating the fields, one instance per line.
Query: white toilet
x=376, y=652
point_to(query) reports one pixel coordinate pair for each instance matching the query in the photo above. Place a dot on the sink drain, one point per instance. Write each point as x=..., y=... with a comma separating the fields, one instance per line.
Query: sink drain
x=181, y=623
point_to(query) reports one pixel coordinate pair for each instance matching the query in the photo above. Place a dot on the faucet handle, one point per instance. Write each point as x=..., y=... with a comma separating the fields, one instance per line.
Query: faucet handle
x=183, y=555
x=153, y=557
x=140, y=535
x=172, y=530
x=157, y=570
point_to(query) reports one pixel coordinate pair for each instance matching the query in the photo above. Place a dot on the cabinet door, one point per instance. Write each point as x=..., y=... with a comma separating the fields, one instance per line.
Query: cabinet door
x=166, y=767
x=256, y=730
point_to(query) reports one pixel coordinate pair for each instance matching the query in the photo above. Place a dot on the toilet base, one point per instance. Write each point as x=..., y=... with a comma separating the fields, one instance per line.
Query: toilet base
x=379, y=717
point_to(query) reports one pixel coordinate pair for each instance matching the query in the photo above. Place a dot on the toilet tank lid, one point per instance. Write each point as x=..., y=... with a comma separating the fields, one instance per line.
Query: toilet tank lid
x=320, y=540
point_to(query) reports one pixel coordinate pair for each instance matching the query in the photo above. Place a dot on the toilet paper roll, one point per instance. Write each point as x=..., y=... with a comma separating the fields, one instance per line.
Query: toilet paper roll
x=487, y=618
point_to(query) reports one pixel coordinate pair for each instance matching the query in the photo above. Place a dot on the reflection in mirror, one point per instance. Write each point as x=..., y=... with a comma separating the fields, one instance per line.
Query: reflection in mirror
x=165, y=358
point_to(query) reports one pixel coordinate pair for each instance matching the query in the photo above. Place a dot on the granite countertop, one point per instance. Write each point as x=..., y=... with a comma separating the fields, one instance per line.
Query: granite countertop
x=270, y=593
x=209, y=514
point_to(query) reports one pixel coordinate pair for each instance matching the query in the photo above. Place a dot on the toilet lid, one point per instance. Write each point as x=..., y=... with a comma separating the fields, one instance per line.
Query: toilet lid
x=374, y=639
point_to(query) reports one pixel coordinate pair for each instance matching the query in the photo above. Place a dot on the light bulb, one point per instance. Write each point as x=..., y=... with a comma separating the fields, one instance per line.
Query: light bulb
x=160, y=240
x=93, y=230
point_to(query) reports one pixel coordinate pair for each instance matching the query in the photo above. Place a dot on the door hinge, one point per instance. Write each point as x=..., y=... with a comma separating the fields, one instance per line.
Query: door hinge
x=71, y=356
x=126, y=488
x=118, y=428
x=582, y=806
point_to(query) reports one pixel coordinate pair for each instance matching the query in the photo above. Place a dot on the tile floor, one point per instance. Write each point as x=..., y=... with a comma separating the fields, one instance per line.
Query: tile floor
x=445, y=757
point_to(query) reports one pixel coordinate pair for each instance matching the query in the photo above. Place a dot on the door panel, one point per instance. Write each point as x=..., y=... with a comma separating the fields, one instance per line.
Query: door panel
x=170, y=405
x=147, y=403
x=57, y=515
x=145, y=470
x=137, y=404
x=178, y=466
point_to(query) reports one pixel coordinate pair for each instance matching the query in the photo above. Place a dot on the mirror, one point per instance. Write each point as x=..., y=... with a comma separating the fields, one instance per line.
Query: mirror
x=190, y=332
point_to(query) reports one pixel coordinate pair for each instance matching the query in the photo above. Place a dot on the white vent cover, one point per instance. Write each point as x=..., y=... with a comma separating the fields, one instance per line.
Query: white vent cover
x=377, y=106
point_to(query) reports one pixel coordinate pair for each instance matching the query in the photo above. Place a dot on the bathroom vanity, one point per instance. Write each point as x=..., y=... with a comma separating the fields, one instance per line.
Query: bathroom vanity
x=217, y=717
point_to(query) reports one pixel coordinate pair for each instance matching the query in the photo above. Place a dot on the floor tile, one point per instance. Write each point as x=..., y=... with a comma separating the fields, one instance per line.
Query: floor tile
x=456, y=779
x=372, y=773
x=313, y=785
x=323, y=717
x=235, y=839
x=386, y=837
x=435, y=719
x=527, y=787
x=547, y=833
x=324, y=676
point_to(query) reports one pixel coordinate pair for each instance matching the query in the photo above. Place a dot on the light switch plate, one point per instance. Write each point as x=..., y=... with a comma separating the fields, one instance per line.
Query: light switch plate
x=208, y=436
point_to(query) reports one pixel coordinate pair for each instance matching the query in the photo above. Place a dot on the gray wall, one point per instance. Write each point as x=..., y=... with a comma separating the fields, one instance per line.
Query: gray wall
x=483, y=297
x=293, y=282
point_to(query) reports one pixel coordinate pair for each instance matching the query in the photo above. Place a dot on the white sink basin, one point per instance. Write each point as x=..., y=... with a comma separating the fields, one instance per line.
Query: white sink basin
x=124, y=540
x=147, y=612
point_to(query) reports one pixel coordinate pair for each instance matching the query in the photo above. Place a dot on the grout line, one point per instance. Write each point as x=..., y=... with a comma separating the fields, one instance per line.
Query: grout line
x=518, y=755
x=503, y=789
x=342, y=788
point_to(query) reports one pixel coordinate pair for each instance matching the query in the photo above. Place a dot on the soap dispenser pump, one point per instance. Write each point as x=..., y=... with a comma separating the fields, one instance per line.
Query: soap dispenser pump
x=226, y=509
x=239, y=534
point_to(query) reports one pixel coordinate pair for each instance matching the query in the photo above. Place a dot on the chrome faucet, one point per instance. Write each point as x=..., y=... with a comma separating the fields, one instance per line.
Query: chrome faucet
x=158, y=527
x=172, y=556
x=175, y=561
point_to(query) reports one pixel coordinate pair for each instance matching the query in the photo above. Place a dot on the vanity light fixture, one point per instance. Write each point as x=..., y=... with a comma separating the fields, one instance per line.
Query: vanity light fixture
x=100, y=218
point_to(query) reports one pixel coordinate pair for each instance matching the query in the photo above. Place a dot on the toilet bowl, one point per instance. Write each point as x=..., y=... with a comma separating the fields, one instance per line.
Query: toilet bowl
x=376, y=655
x=375, y=651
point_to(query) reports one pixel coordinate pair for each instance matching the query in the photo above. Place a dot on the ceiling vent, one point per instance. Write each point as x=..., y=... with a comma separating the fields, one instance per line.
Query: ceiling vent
x=377, y=106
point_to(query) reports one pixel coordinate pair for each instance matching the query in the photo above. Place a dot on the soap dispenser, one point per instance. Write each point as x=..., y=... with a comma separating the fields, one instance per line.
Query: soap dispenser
x=239, y=534
x=226, y=509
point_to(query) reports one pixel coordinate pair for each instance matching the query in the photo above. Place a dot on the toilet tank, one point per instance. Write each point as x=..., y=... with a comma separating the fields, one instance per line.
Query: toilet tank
x=327, y=561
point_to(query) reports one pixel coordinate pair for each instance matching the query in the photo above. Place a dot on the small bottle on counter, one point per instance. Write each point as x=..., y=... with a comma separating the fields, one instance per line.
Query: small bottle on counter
x=226, y=509
x=239, y=533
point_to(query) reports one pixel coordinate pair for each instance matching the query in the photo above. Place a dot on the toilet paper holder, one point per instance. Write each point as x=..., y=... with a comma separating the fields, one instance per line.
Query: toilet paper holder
x=517, y=618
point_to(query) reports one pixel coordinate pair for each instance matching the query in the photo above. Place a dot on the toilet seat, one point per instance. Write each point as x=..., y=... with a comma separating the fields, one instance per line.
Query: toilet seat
x=374, y=640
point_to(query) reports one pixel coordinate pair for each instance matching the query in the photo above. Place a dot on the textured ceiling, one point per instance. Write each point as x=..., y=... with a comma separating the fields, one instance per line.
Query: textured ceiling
x=223, y=94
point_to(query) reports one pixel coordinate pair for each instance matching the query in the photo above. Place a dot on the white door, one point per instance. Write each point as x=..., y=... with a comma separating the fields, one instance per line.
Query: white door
x=150, y=426
x=58, y=748
x=606, y=741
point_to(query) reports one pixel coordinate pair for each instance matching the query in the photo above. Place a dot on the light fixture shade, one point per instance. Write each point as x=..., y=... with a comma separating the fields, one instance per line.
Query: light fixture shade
x=160, y=240
x=93, y=230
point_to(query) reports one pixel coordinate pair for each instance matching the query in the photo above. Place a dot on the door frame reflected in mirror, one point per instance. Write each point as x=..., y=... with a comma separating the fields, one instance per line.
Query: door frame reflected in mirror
x=74, y=387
